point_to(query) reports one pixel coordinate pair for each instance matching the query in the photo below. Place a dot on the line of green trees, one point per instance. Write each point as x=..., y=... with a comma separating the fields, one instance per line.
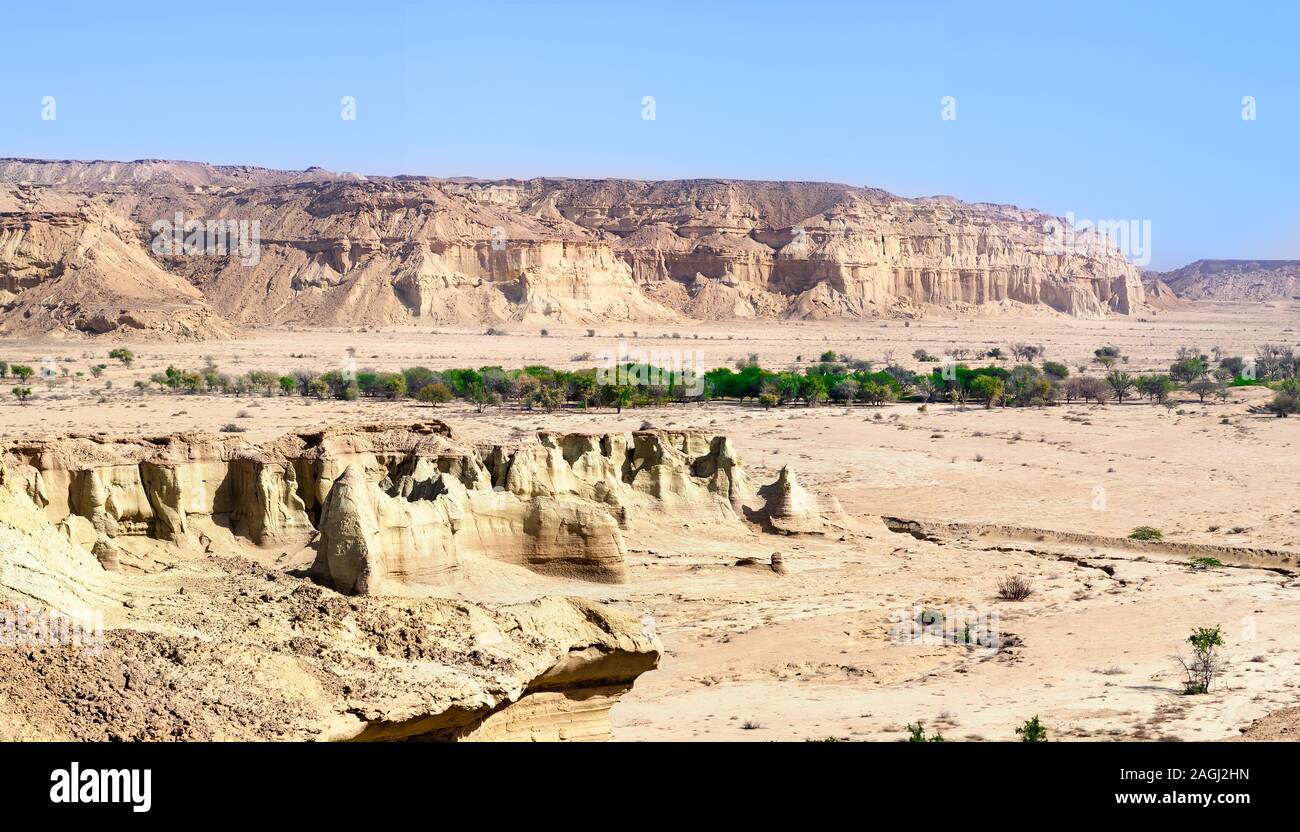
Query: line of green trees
x=835, y=378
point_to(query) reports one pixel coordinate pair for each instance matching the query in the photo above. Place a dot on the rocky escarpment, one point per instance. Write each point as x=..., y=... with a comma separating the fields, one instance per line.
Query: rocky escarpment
x=1234, y=280
x=346, y=251
x=390, y=507
x=220, y=648
x=83, y=270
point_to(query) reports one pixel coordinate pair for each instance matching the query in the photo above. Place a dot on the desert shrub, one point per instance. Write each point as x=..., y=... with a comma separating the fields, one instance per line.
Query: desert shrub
x=1014, y=588
x=1205, y=563
x=1032, y=731
x=1027, y=352
x=1284, y=404
x=1056, y=369
x=122, y=354
x=417, y=378
x=1206, y=664
x=22, y=394
x=916, y=733
x=1146, y=533
x=767, y=400
x=231, y=427
x=434, y=393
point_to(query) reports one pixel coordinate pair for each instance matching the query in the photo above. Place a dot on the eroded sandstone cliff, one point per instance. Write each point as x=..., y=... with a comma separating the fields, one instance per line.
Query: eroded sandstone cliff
x=386, y=507
x=218, y=647
x=346, y=250
x=158, y=538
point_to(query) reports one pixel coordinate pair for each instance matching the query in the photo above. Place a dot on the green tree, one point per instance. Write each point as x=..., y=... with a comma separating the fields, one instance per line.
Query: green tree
x=22, y=372
x=1120, y=382
x=1157, y=387
x=1187, y=370
x=122, y=354
x=23, y=393
x=988, y=388
x=1203, y=387
x=394, y=385
x=812, y=389
x=288, y=384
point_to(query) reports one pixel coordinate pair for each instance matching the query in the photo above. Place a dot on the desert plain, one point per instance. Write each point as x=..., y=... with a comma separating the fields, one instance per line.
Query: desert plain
x=943, y=503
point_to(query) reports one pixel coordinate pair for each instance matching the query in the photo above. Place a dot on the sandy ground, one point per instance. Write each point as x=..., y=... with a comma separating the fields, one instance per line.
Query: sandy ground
x=809, y=655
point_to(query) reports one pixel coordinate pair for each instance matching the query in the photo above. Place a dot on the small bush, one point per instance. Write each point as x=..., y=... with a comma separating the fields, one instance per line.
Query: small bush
x=917, y=734
x=231, y=427
x=1146, y=533
x=1205, y=665
x=1014, y=588
x=1032, y=731
x=1205, y=563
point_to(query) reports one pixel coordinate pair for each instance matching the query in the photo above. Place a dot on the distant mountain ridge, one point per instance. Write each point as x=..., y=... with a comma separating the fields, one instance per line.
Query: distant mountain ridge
x=1233, y=280
x=339, y=249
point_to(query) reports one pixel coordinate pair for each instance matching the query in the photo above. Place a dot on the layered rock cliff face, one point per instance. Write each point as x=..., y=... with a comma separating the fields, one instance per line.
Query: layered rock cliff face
x=388, y=507
x=218, y=647
x=203, y=642
x=343, y=250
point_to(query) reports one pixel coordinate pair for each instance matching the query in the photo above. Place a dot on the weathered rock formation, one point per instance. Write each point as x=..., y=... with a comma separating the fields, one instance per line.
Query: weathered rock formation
x=389, y=507
x=337, y=249
x=219, y=648
x=786, y=507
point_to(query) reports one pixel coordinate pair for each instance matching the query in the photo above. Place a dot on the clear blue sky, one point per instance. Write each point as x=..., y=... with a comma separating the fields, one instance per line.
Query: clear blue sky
x=1109, y=110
